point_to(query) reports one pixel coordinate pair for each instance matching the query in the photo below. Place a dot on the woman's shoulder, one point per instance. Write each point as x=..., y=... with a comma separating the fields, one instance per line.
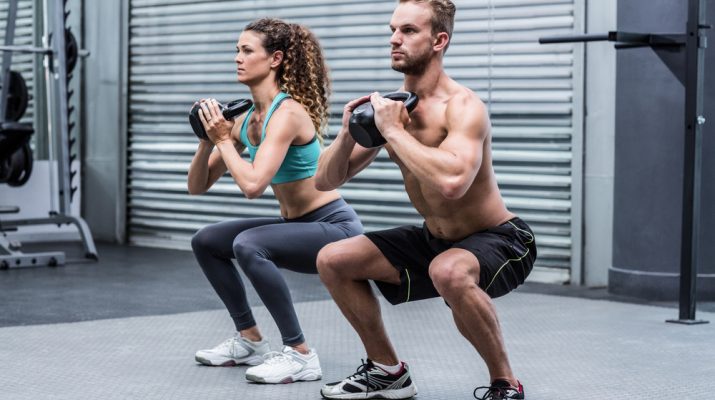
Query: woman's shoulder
x=290, y=120
x=292, y=110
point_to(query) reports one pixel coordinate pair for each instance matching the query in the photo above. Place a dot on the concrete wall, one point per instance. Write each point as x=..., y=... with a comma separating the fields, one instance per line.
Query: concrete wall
x=599, y=136
x=649, y=161
x=105, y=124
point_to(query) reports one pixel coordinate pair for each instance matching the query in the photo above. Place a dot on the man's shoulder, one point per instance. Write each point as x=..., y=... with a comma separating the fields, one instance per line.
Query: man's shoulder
x=463, y=95
x=464, y=101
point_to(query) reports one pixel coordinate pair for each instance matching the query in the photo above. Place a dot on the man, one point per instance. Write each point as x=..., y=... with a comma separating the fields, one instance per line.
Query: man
x=470, y=248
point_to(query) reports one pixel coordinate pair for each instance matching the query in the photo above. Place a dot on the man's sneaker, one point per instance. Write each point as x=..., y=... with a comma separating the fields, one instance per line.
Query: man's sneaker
x=234, y=351
x=499, y=390
x=372, y=382
x=286, y=367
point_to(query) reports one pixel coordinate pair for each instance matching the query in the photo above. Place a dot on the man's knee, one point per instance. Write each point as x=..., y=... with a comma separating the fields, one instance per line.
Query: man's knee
x=452, y=275
x=332, y=260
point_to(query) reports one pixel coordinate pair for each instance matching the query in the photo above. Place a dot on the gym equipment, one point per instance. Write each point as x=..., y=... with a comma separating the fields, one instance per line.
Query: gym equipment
x=71, y=49
x=229, y=111
x=362, y=122
x=18, y=97
x=691, y=72
x=60, y=54
x=15, y=153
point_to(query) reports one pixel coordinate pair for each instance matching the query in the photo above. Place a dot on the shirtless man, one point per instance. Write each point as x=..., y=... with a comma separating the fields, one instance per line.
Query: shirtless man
x=470, y=248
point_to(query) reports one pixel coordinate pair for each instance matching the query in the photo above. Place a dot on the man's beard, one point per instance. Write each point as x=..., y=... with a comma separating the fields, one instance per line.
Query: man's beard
x=412, y=65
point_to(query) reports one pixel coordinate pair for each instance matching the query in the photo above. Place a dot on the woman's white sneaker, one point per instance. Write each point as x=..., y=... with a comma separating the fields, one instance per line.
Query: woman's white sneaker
x=286, y=367
x=234, y=351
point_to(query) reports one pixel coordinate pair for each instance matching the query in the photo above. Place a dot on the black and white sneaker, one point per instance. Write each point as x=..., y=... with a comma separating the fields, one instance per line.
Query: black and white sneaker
x=372, y=382
x=499, y=390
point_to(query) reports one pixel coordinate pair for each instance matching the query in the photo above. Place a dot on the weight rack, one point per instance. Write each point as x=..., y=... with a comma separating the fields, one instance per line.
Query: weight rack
x=54, y=53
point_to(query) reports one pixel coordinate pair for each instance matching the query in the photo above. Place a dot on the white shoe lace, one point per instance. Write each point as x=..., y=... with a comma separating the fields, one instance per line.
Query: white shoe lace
x=274, y=357
x=228, y=344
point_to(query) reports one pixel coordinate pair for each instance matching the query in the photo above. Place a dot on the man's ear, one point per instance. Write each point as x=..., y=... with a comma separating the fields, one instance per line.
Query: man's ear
x=277, y=59
x=441, y=41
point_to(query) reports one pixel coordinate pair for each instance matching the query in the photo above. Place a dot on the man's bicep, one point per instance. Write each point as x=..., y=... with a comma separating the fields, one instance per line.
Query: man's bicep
x=466, y=135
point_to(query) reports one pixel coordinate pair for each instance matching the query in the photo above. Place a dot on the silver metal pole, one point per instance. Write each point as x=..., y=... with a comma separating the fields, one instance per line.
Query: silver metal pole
x=7, y=56
x=60, y=96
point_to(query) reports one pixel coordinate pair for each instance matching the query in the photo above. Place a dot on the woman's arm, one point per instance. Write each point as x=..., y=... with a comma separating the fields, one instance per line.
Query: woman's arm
x=254, y=178
x=207, y=166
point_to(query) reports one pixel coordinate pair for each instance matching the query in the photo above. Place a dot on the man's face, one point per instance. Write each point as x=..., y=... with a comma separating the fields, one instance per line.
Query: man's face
x=412, y=38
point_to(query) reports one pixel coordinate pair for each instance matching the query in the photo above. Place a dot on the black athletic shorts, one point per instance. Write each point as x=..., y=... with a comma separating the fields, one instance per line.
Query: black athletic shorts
x=506, y=254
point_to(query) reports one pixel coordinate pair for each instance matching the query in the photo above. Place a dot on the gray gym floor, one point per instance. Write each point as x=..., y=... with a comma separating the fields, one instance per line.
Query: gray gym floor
x=127, y=327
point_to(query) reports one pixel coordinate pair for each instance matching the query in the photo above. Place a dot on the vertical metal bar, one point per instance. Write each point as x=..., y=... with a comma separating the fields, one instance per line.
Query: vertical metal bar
x=578, y=145
x=122, y=220
x=42, y=143
x=692, y=171
x=60, y=95
x=48, y=61
x=7, y=55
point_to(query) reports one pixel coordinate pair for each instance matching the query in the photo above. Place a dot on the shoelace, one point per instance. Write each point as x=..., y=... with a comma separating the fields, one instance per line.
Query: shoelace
x=363, y=370
x=274, y=357
x=229, y=343
x=492, y=393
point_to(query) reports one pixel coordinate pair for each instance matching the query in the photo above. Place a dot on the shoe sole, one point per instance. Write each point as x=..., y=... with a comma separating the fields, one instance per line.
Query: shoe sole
x=310, y=375
x=393, y=394
x=230, y=362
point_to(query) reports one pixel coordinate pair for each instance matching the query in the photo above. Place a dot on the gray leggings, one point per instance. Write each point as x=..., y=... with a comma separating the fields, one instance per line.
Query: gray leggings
x=261, y=246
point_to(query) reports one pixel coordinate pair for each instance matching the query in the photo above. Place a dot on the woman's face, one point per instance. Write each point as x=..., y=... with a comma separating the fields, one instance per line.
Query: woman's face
x=252, y=61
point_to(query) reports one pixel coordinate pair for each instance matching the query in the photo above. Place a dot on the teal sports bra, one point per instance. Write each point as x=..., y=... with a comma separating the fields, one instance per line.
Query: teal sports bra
x=301, y=161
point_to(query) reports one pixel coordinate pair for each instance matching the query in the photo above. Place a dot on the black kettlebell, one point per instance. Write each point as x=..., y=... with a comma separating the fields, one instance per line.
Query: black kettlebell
x=362, y=123
x=229, y=111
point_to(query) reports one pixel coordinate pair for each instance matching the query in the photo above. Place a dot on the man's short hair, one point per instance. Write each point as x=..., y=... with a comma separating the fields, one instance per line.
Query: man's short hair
x=442, y=15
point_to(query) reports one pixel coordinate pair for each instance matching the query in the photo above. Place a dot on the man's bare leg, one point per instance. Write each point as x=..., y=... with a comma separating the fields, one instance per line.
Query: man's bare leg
x=345, y=268
x=455, y=274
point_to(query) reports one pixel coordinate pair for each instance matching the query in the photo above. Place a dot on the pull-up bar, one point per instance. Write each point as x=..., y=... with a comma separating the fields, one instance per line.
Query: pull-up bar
x=691, y=73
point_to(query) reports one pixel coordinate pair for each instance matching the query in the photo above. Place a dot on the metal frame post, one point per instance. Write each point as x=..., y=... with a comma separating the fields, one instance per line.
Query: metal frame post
x=7, y=56
x=692, y=168
x=60, y=106
x=692, y=43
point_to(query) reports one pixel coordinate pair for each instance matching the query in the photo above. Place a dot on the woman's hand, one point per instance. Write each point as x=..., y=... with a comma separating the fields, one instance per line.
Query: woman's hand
x=217, y=127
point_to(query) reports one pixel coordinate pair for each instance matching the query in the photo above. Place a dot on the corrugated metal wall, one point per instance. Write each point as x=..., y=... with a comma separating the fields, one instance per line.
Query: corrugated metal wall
x=183, y=50
x=22, y=62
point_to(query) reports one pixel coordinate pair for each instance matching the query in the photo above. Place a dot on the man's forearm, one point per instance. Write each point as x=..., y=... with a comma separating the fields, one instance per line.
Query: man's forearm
x=334, y=163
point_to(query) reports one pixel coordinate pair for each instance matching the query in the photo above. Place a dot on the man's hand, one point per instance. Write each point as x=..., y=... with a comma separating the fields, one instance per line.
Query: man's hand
x=390, y=115
x=350, y=106
x=217, y=127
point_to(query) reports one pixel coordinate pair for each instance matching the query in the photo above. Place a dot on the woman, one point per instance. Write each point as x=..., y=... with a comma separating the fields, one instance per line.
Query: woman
x=283, y=66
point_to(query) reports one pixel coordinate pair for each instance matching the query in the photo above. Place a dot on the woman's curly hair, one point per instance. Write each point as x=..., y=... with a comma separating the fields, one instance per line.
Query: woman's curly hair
x=303, y=73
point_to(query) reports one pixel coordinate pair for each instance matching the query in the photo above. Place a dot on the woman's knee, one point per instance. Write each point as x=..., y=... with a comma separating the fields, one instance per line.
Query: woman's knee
x=203, y=240
x=246, y=250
